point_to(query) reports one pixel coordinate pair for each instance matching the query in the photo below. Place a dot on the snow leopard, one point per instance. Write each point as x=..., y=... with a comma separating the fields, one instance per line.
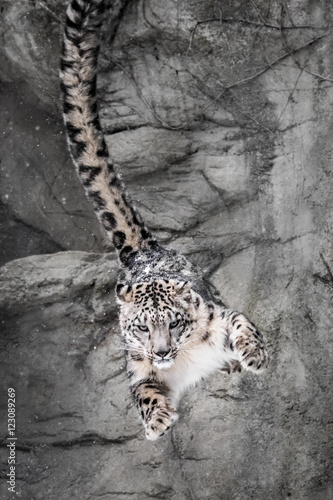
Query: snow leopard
x=176, y=328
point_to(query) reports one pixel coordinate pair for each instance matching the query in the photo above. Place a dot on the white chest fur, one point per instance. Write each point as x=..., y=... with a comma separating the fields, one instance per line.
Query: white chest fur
x=197, y=363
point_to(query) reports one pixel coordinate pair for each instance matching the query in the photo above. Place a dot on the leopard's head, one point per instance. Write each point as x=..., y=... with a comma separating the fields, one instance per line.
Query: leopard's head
x=160, y=319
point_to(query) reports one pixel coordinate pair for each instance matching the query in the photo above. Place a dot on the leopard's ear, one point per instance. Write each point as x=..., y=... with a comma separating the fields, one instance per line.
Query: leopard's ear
x=185, y=292
x=184, y=289
x=124, y=293
x=182, y=286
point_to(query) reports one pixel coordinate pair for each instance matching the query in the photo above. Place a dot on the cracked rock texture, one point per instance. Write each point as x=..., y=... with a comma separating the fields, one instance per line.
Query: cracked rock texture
x=218, y=115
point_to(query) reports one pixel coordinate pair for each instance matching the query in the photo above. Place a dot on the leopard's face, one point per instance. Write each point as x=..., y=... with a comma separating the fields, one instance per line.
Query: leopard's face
x=160, y=319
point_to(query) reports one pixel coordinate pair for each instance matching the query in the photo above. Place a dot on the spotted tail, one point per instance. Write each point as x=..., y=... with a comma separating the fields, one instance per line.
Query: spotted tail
x=89, y=151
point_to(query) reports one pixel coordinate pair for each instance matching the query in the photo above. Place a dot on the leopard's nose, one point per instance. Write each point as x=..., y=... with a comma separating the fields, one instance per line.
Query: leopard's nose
x=162, y=353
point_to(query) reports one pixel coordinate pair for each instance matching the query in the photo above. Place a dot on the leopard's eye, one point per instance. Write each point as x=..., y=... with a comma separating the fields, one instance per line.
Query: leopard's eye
x=174, y=324
x=143, y=328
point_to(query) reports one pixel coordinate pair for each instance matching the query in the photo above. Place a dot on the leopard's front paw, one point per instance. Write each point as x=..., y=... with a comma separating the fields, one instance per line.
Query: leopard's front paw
x=253, y=354
x=160, y=422
x=158, y=417
x=250, y=345
x=232, y=367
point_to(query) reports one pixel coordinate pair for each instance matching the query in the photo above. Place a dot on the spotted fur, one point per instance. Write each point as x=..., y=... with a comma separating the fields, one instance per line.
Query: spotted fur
x=89, y=151
x=175, y=326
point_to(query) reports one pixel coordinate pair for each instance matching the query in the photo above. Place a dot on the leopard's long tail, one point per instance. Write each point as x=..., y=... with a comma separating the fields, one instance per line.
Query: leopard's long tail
x=103, y=186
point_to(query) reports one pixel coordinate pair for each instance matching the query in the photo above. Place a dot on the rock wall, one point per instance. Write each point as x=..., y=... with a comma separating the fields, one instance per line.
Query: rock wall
x=218, y=115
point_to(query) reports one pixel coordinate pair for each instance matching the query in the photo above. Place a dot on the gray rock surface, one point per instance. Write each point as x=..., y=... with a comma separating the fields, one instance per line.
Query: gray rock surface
x=236, y=175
